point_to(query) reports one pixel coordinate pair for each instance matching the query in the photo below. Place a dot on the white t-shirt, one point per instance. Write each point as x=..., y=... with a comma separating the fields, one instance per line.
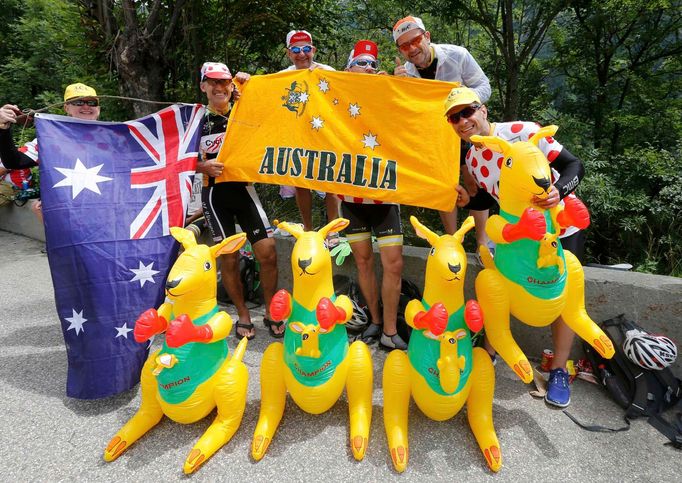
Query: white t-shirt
x=319, y=66
x=484, y=164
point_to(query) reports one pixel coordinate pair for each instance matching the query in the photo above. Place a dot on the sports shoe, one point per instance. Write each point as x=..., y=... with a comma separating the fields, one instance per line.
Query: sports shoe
x=371, y=333
x=558, y=391
x=392, y=342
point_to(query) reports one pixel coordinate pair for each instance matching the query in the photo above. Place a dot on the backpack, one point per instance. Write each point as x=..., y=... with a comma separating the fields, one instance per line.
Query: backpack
x=640, y=392
x=249, y=273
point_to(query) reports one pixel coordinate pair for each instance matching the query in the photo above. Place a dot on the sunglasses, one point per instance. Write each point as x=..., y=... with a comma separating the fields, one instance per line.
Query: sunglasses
x=411, y=43
x=465, y=113
x=219, y=82
x=366, y=63
x=85, y=102
x=306, y=49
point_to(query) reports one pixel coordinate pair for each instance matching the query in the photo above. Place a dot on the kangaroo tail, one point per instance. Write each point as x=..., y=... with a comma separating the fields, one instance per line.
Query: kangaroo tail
x=239, y=351
x=486, y=257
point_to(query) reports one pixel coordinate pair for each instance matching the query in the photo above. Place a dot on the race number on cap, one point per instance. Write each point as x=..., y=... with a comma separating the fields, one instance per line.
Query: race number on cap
x=405, y=25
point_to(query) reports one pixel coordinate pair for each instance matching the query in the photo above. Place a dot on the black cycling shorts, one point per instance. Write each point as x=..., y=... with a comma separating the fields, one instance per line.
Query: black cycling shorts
x=575, y=244
x=225, y=202
x=383, y=219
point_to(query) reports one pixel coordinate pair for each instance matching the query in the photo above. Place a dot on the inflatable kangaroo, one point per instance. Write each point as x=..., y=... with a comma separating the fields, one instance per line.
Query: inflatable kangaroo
x=191, y=374
x=531, y=277
x=315, y=362
x=441, y=369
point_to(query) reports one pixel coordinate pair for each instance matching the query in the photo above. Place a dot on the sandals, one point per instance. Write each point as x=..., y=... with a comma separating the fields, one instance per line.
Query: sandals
x=248, y=326
x=270, y=323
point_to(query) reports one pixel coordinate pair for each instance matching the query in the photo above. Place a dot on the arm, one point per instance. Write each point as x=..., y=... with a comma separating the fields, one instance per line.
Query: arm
x=11, y=157
x=571, y=172
x=474, y=78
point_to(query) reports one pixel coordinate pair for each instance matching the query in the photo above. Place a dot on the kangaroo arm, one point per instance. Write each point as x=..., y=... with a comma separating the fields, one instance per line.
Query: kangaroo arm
x=165, y=311
x=221, y=326
x=344, y=303
x=413, y=308
x=494, y=228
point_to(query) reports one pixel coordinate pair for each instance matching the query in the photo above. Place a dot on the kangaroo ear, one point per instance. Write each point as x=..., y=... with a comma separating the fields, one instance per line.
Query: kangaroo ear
x=185, y=237
x=229, y=245
x=493, y=142
x=334, y=225
x=423, y=232
x=293, y=228
x=543, y=132
x=430, y=335
x=467, y=225
x=297, y=327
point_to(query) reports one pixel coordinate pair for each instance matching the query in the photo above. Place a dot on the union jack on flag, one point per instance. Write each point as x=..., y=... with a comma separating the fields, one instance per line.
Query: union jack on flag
x=110, y=193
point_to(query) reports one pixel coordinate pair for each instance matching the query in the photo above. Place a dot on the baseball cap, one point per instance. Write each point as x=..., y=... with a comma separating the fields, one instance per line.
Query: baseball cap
x=407, y=24
x=363, y=48
x=298, y=36
x=460, y=96
x=73, y=91
x=215, y=70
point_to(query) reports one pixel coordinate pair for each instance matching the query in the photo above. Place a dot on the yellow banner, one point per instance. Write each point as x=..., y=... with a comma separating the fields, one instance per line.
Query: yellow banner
x=361, y=135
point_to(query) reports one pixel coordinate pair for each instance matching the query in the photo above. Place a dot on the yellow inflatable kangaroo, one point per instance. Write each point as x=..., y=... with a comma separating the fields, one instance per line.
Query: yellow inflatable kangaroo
x=315, y=362
x=441, y=369
x=191, y=374
x=531, y=277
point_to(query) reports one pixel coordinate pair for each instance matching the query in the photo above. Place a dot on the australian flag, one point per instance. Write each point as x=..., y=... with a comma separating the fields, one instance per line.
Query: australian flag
x=110, y=193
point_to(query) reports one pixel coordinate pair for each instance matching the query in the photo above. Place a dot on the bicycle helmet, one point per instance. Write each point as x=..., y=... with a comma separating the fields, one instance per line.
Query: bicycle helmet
x=649, y=351
x=360, y=317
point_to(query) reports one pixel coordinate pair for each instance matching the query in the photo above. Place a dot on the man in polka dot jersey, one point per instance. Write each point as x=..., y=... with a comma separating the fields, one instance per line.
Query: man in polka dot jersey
x=468, y=116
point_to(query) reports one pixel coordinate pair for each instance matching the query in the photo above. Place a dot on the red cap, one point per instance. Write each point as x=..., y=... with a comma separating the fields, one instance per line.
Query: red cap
x=298, y=36
x=215, y=70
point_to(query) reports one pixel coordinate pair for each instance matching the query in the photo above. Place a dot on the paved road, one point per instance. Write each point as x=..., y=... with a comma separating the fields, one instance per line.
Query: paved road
x=47, y=437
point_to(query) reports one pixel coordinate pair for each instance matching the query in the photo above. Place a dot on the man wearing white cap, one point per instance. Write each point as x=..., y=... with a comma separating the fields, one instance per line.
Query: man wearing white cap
x=301, y=51
x=223, y=201
x=450, y=63
x=80, y=101
x=367, y=216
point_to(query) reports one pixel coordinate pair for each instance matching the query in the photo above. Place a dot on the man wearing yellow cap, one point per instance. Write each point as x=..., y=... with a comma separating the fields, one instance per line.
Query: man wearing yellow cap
x=80, y=101
x=468, y=116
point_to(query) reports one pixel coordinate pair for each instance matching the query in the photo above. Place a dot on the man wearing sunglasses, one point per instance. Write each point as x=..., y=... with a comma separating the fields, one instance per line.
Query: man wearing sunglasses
x=80, y=101
x=367, y=216
x=468, y=116
x=450, y=63
x=225, y=201
x=301, y=51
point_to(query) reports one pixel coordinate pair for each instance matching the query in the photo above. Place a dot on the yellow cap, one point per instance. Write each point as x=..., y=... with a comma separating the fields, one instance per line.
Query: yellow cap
x=460, y=96
x=78, y=90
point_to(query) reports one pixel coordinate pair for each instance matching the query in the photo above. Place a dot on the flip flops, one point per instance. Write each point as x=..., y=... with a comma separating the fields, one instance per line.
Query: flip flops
x=269, y=324
x=248, y=326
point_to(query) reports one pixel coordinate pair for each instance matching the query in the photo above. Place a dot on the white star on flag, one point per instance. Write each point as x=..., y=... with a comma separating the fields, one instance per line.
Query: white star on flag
x=317, y=122
x=370, y=140
x=144, y=273
x=336, y=101
x=81, y=178
x=303, y=97
x=354, y=110
x=122, y=331
x=76, y=321
x=323, y=85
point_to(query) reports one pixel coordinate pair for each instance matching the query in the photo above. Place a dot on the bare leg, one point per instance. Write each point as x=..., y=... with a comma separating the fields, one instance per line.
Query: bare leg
x=480, y=219
x=449, y=219
x=331, y=202
x=304, y=201
x=364, y=260
x=563, y=336
x=229, y=271
x=267, y=257
x=392, y=262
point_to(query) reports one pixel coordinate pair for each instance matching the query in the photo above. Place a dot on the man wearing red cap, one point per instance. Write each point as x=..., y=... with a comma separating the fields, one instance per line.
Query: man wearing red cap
x=301, y=51
x=224, y=200
x=450, y=63
x=366, y=215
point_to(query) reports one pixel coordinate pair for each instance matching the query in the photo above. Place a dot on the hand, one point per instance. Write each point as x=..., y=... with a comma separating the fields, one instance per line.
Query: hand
x=575, y=213
x=462, y=196
x=182, y=330
x=436, y=319
x=241, y=78
x=280, y=306
x=550, y=201
x=382, y=72
x=329, y=314
x=8, y=115
x=149, y=324
x=313, y=66
x=210, y=167
x=400, y=70
x=473, y=316
x=531, y=225
x=469, y=182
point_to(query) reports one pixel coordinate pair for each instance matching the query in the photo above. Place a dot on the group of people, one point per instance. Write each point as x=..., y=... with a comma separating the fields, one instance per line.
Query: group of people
x=225, y=202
